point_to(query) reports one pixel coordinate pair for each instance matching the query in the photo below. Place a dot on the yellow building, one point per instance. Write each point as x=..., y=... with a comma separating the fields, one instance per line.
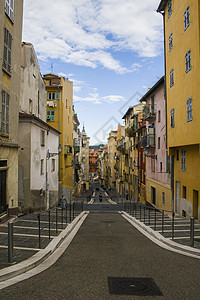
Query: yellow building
x=60, y=116
x=119, y=164
x=182, y=61
x=111, y=158
x=10, y=54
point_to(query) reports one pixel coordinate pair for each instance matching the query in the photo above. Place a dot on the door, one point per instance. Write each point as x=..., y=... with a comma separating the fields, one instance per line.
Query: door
x=177, y=197
x=153, y=195
x=195, y=203
x=2, y=191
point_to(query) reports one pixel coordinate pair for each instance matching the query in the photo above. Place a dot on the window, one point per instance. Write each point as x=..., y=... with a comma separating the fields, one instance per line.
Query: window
x=51, y=115
x=51, y=96
x=186, y=18
x=7, y=50
x=53, y=165
x=169, y=8
x=161, y=167
x=188, y=61
x=163, y=198
x=167, y=162
x=183, y=160
x=171, y=77
x=158, y=142
x=42, y=138
x=152, y=104
x=170, y=42
x=9, y=8
x=42, y=166
x=5, y=112
x=177, y=154
x=184, y=191
x=30, y=106
x=159, y=116
x=189, y=110
x=172, y=115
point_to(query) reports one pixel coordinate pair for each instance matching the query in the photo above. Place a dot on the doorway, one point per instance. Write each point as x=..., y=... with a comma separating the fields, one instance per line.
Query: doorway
x=2, y=191
x=153, y=195
x=195, y=203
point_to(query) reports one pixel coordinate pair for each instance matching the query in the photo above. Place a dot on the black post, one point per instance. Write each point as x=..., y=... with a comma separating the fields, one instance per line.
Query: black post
x=173, y=225
x=140, y=213
x=10, y=242
x=49, y=224
x=66, y=213
x=70, y=211
x=155, y=221
x=149, y=216
x=38, y=216
x=73, y=209
x=144, y=214
x=162, y=221
x=62, y=217
x=82, y=205
x=56, y=220
x=191, y=231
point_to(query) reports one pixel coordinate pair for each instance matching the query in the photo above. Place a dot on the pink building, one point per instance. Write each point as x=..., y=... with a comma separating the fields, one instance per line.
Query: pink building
x=158, y=178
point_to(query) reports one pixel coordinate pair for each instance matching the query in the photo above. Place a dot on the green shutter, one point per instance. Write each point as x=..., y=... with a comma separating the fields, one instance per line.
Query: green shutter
x=57, y=95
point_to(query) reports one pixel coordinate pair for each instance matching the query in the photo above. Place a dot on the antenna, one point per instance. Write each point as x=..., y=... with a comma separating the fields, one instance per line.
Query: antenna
x=51, y=67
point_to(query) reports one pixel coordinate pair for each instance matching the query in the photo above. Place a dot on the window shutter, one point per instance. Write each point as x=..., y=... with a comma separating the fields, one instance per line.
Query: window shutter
x=57, y=95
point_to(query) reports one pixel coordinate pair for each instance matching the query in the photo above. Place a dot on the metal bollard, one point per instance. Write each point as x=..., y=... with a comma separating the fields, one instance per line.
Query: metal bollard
x=173, y=214
x=191, y=231
x=10, y=242
x=56, y=220
x=82, y=205
x=66, y=214
x=62, y=217
x=155, y=221
x=149, y=216
x=73, y=209
x=70, y=211
x=39, y=236
x=49, y=224
x=144, y=214
x=162, y=221
x=140, y=213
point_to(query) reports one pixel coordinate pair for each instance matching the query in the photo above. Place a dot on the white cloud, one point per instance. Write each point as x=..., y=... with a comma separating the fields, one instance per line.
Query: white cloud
x=86, y=32
x=95, y=98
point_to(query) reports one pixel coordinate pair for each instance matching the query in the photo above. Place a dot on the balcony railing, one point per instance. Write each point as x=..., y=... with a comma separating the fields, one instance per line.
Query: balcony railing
x=149, y=112
x=148, y=141
x=131, y=131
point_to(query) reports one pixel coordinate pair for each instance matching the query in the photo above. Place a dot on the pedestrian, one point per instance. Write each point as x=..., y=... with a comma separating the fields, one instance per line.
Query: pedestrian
x=63, y=201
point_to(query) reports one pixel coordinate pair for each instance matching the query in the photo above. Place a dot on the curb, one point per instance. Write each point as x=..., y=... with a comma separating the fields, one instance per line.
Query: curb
x=161, y=241
x=43, y=254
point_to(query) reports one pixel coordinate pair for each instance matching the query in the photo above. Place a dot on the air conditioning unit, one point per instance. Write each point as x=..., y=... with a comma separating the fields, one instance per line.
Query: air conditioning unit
x=50, y=103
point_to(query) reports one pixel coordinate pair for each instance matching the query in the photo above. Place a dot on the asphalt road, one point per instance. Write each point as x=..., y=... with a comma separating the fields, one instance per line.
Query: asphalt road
x=108, y=246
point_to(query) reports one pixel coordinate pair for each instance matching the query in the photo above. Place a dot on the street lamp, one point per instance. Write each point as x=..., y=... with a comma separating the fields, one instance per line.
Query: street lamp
x=47, y=158
x=54, y=154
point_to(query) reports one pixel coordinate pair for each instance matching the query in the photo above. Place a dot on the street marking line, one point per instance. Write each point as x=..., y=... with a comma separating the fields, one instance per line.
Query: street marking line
x=23, y=234
x=21, y=248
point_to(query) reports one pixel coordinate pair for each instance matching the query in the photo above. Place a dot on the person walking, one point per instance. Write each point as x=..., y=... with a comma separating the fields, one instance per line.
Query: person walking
x=63, y=201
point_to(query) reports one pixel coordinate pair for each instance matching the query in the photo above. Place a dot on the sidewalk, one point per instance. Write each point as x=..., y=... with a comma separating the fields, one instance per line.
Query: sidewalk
x=26, y=233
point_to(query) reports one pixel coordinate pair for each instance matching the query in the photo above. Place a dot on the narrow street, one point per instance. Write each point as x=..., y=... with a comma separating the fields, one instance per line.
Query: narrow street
x=108, y=248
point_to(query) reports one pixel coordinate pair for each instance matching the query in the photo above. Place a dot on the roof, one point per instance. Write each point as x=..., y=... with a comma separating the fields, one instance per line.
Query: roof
x=152, y=90
x=128, y=112
x=161, y=6
x=30, y=117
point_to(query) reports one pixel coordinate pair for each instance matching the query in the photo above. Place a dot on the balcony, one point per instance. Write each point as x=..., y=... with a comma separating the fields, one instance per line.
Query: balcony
x=76, y=149
x=149, y=112
x=121, y=146
x=148, y=141
x=131, y=131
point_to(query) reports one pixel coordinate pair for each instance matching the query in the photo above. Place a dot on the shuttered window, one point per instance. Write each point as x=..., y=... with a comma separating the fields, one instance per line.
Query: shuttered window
x=51, y=115
x=7, y=50
x=5, y=112
x=9, y=9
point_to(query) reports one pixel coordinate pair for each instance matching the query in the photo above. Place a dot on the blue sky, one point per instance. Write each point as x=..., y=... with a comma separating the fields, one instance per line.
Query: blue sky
x=112, y=50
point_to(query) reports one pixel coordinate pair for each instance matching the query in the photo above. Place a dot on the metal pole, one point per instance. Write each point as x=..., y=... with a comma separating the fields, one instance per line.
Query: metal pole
x=73, y=208
x=155, y=221
x=62, y=217
x=49, y=224
x=149, y=216
x=70, y=211
x=140, y=213
x=38, y=216
x=173, y=225
x=144, y=214
x=192, y=232
x=56, y=220
x=162, y=221
x=10, y=242
x=66, y=213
